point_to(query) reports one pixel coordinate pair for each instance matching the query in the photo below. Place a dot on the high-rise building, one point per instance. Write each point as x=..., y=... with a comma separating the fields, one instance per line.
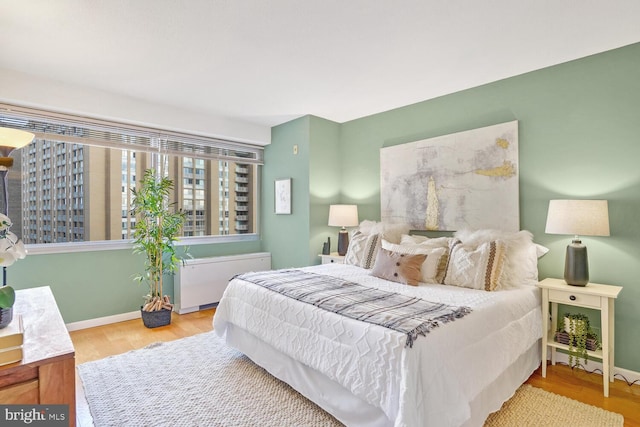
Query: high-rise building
x=244, y=207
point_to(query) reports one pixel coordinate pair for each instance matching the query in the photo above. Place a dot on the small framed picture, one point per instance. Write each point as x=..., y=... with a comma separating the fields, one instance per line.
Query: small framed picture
x=283, y=196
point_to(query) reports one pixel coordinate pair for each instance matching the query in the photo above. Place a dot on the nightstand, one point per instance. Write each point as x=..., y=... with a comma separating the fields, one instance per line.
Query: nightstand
x=594, y=296
x=332, y=258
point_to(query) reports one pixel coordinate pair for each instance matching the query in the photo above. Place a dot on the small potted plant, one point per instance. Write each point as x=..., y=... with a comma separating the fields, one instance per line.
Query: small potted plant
x=157, y=228
x=11, y=250
x=576, y=332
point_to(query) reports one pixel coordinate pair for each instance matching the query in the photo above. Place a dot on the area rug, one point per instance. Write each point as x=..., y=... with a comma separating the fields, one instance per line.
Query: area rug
x=199, y=381
x=534, y=407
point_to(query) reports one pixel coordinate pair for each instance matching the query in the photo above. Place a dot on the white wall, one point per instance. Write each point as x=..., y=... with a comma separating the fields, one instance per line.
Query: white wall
x=31, y=91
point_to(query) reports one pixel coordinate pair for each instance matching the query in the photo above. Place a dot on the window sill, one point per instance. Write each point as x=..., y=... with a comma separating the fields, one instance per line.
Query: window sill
x=107, y=245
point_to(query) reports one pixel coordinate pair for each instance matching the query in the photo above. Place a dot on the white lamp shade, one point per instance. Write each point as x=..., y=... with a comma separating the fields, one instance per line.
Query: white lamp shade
x=578, y=217
x=14, y=138
x=343, y=215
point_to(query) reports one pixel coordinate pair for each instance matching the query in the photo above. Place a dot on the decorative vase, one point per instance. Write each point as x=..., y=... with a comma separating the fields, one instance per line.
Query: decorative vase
x=154, y=319
x=6, y=316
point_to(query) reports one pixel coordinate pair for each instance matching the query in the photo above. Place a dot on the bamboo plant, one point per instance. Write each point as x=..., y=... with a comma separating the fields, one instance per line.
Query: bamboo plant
x=157, y=228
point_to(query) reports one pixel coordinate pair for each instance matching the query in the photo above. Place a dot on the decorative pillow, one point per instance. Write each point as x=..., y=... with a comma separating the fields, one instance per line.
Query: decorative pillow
x=436, y=242
x=434, y=265
x=521, y=262
x=478, y=267
x=397, y=267
x=362, y=249
x=390, y=232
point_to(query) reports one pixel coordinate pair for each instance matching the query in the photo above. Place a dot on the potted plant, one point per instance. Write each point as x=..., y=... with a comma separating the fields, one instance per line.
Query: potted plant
x=576, y=332
x=11, y=250
x=157, y=227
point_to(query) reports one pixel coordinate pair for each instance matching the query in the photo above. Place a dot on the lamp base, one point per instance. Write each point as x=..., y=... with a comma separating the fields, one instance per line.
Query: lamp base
x=576, y=265
x=343, y=242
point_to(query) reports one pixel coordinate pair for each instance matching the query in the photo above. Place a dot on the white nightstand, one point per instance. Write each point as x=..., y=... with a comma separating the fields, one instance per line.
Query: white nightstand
x=332, y=258
x=595, y=296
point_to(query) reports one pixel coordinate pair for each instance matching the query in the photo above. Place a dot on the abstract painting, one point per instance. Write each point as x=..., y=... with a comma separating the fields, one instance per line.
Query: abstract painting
x=462, y=180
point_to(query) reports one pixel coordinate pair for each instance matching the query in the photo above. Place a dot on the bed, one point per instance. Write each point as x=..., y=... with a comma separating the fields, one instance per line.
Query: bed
x=367, y=375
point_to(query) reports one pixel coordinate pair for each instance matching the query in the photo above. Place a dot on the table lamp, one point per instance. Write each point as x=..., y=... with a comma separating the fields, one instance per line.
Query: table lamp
x=343, y=216
x=577, y=217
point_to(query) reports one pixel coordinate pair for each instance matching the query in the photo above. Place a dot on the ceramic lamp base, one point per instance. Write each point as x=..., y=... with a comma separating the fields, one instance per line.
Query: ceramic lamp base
x=576, y=265
x=343, y=242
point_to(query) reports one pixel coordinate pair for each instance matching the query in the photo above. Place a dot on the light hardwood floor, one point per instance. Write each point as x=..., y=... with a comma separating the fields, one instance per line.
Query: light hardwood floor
x=97, y=343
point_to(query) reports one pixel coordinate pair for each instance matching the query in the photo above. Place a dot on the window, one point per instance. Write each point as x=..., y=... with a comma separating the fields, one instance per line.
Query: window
x=73, y=182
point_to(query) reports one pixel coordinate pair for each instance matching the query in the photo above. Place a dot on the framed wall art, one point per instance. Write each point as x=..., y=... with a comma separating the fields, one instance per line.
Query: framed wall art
x=283, y=196
x=462, y=180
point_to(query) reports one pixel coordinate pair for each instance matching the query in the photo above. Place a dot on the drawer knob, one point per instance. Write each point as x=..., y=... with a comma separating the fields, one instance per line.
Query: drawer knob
x=572, y=297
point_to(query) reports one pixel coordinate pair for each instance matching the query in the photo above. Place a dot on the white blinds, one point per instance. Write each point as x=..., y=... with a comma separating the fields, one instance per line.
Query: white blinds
x=83, y=130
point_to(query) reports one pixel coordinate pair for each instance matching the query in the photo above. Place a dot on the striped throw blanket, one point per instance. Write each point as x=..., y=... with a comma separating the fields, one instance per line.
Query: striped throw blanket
x=410, y=315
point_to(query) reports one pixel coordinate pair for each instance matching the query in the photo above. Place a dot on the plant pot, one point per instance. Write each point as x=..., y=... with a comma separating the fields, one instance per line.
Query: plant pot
x=567, y=324
x=6, y=316
x=154, y=319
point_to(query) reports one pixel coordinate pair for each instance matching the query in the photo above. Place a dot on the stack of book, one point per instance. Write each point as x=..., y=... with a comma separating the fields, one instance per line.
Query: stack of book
x=11, y=339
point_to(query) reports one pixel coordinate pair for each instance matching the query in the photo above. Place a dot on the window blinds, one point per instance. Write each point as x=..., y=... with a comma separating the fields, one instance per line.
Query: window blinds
x=83, y=130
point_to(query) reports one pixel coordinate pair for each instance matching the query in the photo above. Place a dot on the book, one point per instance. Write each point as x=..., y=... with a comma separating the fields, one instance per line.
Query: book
x=13, y=334
x=10, y=355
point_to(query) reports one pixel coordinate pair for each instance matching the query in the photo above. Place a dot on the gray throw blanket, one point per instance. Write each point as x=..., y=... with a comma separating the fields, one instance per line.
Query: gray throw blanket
x=410, y=315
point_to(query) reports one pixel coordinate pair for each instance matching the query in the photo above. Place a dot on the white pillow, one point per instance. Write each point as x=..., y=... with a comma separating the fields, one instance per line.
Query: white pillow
x=521, y=262
x=436, y=242
x=390, y=232
x=434, y=265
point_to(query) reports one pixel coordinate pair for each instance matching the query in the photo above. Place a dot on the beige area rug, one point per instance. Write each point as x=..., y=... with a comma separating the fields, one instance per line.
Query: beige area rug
x=534, y=407
x=199, y=381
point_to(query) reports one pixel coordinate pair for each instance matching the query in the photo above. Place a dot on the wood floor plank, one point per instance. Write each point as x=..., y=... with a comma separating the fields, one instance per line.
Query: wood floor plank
x=103, y=341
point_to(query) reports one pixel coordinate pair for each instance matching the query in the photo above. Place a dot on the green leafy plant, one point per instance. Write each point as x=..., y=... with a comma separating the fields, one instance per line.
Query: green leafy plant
x=579, y=331
x=157, y=228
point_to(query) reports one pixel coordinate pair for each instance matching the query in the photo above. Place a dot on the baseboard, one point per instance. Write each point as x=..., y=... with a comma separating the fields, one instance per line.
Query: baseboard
x=101, y=321
x=628, y=374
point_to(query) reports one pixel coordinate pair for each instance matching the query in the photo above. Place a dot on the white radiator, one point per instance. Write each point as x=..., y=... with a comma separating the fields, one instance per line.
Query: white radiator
x=202, y=281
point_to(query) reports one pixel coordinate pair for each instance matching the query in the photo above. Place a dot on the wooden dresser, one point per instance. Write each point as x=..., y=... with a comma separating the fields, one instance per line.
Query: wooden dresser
x=46, y=374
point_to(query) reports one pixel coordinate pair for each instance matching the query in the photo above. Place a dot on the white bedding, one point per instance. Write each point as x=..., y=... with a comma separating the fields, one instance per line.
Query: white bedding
x=432, y=383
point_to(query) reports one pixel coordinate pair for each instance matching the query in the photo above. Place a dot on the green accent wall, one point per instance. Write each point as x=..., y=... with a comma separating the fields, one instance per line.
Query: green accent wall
x=579, y=137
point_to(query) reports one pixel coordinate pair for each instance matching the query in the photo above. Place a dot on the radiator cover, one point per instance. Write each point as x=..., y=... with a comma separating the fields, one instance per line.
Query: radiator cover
x=202, y=281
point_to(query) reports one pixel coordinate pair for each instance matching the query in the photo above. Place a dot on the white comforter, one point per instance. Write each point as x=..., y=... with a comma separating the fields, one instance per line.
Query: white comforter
x=429, y=384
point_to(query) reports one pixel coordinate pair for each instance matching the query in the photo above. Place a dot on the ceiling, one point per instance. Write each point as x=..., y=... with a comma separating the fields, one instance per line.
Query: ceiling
x=266, y=62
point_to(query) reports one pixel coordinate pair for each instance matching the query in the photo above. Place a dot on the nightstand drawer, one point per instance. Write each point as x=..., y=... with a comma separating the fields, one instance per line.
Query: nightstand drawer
x=332, y=258
x=574, y=298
